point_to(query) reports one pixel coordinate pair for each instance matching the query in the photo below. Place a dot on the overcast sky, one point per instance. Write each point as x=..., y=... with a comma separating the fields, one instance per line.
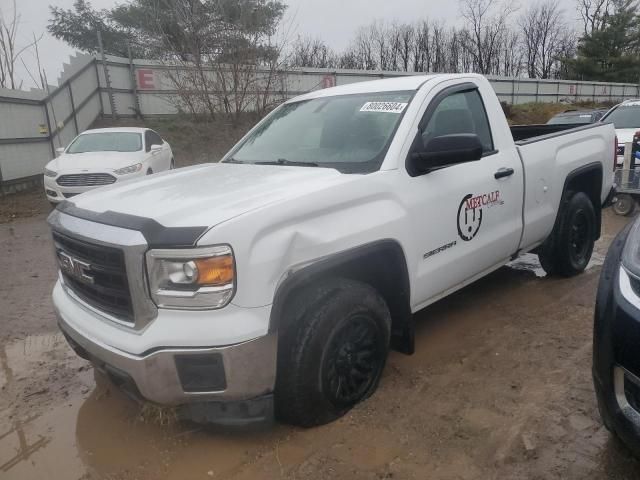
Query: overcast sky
x=335, y=21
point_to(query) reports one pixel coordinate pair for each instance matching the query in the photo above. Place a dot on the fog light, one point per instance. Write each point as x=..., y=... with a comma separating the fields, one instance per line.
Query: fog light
x=201, y=373
x=51, y=193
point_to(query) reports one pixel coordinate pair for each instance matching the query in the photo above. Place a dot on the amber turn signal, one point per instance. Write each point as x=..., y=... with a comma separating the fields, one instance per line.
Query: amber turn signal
x=215, y=270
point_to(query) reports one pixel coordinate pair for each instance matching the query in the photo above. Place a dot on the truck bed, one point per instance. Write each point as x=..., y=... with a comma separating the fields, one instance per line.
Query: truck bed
x=553, y=154
x=523, y=134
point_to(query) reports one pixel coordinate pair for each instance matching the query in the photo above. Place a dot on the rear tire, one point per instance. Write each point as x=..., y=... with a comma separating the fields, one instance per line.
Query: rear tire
x=568, y=249
x=625, y=204
x=331, y=355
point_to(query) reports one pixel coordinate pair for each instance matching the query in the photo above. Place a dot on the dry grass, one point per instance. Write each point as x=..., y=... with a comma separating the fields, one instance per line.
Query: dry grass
x=536, y=113
x=28, y=203
x=157, y=415
x=193, y=141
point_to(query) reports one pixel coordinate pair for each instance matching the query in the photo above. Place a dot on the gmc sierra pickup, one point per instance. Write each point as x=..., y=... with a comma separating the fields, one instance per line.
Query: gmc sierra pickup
x=276, y=281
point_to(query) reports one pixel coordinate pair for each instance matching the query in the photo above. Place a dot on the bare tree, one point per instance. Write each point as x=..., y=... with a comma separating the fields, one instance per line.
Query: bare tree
x=219, y=67
x=422, y=47
x=543, y=30
x=593, y=14
x=10, y=52
x=485, y=27
x=511, y=54
x=37, y=79
x=406, y=35
x=313, y=53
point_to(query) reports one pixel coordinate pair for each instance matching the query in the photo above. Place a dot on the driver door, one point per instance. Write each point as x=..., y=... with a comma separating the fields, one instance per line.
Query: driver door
x=471, y=217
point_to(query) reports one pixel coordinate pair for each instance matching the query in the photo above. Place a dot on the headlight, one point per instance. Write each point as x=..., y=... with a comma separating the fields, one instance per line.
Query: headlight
x=631, y=251
x=192, y=279
x=130, y=169
x=50, y=173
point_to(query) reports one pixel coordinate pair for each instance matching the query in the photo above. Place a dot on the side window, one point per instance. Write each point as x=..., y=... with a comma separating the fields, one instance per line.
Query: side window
x=460, y=112
x=147, y=140
x=155, y=138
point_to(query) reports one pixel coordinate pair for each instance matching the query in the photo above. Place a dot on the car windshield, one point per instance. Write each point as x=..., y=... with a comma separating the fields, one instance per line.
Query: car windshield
x=625, y=116
x=106, y=142
x=570, y=119
x=350, y=132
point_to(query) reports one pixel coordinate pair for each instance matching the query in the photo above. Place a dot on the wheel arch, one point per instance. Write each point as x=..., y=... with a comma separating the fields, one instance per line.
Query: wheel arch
x=587, y=179
x=381, y=264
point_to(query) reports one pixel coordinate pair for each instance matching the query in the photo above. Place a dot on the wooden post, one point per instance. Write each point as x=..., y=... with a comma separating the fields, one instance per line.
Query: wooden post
x=112, y=102
x=73, y=108
x=134, y=86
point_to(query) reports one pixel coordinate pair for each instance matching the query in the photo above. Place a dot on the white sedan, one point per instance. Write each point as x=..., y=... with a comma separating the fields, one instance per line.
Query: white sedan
x=626, y=119
x=105, y=156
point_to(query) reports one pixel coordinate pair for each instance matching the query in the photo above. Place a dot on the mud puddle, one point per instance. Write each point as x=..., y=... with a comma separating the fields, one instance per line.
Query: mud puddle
x=55, y=407
x=529, y=262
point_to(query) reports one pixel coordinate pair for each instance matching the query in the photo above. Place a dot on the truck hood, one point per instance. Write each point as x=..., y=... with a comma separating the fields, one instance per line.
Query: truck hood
x=206, y=195
x=93, y=161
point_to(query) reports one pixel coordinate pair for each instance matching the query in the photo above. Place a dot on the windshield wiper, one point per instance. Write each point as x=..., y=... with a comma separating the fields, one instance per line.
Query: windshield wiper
x=232, y=160
x=284, y=161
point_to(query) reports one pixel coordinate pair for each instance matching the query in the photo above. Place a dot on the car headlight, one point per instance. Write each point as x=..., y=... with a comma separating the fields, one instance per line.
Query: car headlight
x=130, y=169
x=192, y=279
x=50, y=173
x=631, y=250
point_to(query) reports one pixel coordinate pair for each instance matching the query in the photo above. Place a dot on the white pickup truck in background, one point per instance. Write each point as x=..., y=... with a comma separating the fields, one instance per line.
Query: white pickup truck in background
x=278, y=279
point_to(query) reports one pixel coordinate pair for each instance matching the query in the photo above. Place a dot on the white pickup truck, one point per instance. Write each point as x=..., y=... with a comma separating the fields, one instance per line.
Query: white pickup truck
x=277, y=280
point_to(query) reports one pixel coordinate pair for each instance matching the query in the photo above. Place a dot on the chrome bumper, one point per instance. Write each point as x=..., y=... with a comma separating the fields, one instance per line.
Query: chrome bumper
x=249, y=368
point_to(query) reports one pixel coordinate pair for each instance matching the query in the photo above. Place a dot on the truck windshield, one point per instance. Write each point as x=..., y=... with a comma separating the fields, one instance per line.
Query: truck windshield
x=625, y=116
x=106, y=142
x=350, y=133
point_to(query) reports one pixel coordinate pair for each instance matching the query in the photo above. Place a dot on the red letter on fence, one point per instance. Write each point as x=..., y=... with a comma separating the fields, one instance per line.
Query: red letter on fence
x=145, y=79
x=328, y=81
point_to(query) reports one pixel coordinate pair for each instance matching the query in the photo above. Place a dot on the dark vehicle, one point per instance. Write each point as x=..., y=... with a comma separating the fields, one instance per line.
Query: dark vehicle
x=575, y=117
x=616, y=337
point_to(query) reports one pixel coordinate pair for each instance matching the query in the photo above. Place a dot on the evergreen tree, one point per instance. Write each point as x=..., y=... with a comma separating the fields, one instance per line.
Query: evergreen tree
x=612, y=52
x=162, y=29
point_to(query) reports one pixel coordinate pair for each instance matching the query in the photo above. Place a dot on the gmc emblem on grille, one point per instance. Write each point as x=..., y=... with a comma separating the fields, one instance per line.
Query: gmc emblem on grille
x=75, y=268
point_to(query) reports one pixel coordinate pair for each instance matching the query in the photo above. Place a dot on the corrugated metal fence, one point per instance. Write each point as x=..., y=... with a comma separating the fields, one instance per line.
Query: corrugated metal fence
x=148, y=86
x=34, y=124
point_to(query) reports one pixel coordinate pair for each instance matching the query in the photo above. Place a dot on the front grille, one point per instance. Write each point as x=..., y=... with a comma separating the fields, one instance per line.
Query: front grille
x=109, y=291
x=69, y=195
x=86, y=180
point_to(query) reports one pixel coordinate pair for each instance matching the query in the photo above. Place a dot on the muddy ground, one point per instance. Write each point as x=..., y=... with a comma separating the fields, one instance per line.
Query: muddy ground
x=499, y=387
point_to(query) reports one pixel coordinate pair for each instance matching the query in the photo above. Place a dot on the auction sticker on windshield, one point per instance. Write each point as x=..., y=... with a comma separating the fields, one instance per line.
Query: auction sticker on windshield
x=385, y=107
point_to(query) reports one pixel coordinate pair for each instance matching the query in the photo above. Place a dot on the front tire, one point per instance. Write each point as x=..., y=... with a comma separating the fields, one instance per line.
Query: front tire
x=568, y=249
x=332, y=353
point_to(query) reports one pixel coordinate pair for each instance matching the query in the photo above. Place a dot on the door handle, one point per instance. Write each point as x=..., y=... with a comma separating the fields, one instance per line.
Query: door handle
x=504, y=172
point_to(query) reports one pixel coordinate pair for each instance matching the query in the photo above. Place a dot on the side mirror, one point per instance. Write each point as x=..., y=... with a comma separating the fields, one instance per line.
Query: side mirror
x=448, y=150
x=59, y=151
x=155, y=148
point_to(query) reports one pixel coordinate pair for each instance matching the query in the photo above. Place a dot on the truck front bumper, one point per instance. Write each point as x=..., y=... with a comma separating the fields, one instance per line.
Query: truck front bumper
x=225, y=385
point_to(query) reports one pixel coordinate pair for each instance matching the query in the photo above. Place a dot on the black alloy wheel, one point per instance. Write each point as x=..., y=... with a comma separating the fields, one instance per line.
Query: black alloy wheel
x=353, y=361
